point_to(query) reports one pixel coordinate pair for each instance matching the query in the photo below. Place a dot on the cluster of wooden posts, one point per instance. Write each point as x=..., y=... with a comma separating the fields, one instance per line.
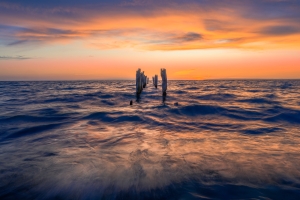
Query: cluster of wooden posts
x=142, y=80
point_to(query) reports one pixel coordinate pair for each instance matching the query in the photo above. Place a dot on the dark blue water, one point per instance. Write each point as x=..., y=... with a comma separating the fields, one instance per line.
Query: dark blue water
x=82, y=140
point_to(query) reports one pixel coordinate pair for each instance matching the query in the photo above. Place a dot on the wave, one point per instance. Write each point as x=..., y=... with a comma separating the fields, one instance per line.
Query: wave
x=292, y=117
x=192, y=88
x=193, y=110
x=217, y=97
x=258, y=101
x=32, y=130
x=110, y=103
x=180, y=92
x=118, y=117
x=286, y=85
x=28, y=118
x=198, y=109
x=266, y=130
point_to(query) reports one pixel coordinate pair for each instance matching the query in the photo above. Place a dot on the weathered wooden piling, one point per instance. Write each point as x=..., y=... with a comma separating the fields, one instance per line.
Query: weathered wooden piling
x=141, y=81
x=144, y=80
x=163, y=74
x=139, y=87
x=155, y=81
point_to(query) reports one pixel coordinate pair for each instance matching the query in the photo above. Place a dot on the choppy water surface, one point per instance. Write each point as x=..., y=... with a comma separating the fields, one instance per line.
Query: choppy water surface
x=82, y=140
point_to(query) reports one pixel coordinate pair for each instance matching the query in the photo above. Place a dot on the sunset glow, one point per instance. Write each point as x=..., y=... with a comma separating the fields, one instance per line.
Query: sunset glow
x=110, y=40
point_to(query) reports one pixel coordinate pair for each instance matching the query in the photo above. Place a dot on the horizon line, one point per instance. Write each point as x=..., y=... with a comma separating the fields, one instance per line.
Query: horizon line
x=220, y=79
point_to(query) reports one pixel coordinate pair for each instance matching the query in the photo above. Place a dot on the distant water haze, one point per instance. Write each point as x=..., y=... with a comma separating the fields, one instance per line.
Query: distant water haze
x=82, y=140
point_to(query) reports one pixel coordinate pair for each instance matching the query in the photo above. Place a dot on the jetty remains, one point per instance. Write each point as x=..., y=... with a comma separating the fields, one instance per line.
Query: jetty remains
x=140, y=81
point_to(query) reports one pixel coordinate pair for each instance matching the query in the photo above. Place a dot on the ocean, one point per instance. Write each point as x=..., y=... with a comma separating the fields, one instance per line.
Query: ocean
x=213, y=139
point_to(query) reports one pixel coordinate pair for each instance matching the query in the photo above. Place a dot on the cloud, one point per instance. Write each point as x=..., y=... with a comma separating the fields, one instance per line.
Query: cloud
x=41, y=35
x=14, y=58
x=219, y=25
x=17, y=42
x=145, y=39
x=171, y=38
x=280, y=30
x=49, y=33
x=229, y=40
x=189, y=37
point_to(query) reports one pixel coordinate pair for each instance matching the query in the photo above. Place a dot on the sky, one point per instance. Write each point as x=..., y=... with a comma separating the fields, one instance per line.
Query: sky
x=192, y=39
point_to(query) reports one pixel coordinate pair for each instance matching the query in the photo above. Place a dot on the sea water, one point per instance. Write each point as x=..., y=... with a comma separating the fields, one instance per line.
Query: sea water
x=231, y=139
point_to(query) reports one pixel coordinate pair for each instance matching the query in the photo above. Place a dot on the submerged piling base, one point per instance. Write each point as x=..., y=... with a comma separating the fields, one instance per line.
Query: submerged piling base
x=138, y=97
x=164, y=97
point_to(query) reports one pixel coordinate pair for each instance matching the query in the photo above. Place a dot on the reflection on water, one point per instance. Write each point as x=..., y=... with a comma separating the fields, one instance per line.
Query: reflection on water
x=82, y=140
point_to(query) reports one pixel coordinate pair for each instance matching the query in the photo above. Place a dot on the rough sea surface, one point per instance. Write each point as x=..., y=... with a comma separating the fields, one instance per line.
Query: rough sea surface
x=235, y=139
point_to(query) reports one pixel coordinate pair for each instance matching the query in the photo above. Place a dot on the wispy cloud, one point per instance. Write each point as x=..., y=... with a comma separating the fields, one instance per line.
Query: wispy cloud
x=189, y=37
x=14, y=58
x=17, y=42
x=280, y=30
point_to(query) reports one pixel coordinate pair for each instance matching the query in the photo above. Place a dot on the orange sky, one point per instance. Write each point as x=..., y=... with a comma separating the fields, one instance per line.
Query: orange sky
x=191, y=43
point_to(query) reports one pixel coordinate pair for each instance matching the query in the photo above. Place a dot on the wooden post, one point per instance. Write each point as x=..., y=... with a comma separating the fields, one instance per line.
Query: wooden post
x=164, y=86
x=155, y=81
x=138, y=82
x=144, y=80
